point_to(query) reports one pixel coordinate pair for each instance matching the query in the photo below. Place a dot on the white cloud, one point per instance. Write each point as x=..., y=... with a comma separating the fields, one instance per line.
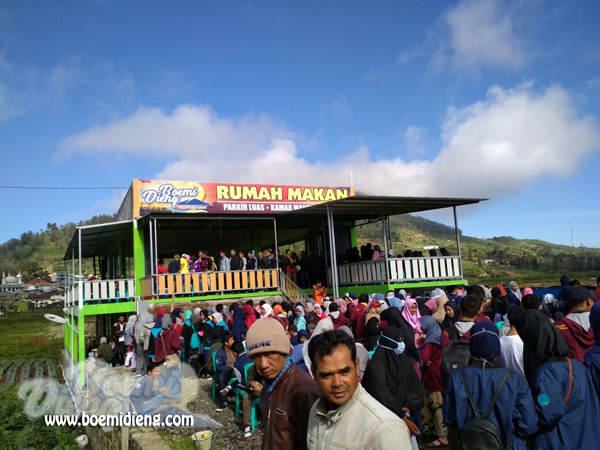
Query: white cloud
x=339, y=108
x=480, y=33
x=491, y=148
x=415, y=141
x=24, y=89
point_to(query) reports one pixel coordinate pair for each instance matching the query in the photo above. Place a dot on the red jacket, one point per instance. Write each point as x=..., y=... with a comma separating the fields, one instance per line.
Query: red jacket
x=171, y=341
x=356, y=313
x=579, y=340
x=432, y=373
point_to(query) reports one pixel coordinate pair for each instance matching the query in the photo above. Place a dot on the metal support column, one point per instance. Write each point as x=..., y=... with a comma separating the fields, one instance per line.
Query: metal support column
x=155, y=241
x=386, y=264
x=458, y=240
x=152, y=261
x=276, y=246
x=334, y=274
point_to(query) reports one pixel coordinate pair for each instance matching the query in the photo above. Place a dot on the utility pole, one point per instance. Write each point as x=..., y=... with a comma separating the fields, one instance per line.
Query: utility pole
x=572, y=238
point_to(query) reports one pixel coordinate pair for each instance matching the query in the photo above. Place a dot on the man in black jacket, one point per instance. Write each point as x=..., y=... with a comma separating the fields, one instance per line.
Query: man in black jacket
x=250, y=261
x=235, y=262
x=174, y=265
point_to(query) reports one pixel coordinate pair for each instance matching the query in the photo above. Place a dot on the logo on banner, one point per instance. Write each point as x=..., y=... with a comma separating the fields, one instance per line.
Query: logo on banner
x=176, y=199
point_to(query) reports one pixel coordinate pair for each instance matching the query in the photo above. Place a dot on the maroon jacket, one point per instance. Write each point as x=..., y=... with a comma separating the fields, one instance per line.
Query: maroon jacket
x=340, y=321
x=172, y=343
x=356, y=317
x=432, y=373
x=579, y=340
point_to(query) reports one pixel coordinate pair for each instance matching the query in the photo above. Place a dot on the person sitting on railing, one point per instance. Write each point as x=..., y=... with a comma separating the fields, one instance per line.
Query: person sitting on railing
x=160, y=269
x=319, y=292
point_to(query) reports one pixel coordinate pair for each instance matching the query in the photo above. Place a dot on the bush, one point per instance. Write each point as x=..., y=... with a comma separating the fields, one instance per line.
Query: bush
x=38, y=436
x=6, y=440
x=11, y=409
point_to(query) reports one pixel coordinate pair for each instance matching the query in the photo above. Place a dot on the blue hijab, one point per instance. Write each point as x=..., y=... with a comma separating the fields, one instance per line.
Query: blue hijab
x=395, y=302
x=484, y=342
x=432, y=329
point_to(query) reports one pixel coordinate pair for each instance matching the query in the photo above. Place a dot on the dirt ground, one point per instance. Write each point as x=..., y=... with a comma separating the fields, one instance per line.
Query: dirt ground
x=231, y=436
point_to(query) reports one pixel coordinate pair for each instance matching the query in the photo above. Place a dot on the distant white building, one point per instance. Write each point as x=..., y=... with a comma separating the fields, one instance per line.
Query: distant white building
x=10, y=283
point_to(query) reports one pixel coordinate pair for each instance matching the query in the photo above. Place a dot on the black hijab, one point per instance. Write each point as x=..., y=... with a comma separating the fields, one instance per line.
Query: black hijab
x=391, y=379
x=542, y=343
x=448, y=323
x=393, y=317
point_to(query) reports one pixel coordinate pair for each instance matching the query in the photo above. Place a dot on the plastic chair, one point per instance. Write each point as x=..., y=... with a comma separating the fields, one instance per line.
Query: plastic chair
x=239, y=396
x=214, y=384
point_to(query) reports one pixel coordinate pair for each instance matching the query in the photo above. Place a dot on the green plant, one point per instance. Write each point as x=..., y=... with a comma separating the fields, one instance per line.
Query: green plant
x=6, y=440
x=11, y=409
x=38, y=436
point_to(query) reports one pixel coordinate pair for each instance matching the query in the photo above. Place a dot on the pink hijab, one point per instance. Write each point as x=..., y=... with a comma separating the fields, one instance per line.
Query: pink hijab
x=342, y=307
x=527, y=291
x=412, y=319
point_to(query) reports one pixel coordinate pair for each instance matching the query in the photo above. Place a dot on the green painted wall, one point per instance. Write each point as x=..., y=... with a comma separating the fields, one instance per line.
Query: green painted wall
x=256, y=239
x=139, y=257
x=81, y=349
x=354, y=237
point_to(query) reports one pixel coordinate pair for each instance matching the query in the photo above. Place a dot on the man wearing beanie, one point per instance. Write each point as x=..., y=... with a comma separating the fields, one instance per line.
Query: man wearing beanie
x=288, y=393
x=575, y=327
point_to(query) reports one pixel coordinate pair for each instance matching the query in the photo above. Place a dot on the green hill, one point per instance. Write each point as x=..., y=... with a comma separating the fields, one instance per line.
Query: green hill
x=497, y=259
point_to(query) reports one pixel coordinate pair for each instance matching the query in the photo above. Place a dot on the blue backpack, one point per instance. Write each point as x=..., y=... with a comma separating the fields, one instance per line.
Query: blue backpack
x=195, y=340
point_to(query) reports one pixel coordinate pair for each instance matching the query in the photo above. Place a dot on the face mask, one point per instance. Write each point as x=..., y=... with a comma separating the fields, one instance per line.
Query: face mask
x=400, y=346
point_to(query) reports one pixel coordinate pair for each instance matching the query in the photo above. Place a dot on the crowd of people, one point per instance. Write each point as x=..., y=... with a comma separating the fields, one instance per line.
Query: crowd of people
x=498, y=368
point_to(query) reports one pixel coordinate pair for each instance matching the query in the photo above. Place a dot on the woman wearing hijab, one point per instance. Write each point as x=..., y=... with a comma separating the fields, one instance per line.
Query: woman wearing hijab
x=300, y=321
x=431, y=357
x=411, y=315
x=423, y=309
x=393, y=318
x=436, y=305
x=565, y=399
x=168, y=343
x=592, y=357
x=266, y=311
x=175, y=325
x=323, y=326
x=514, y=293
x=250, y=315
x=319, y=312
x=361, y=352
x=238, y=324
x=131, y=358
x=186, y=335
x=280, y=316
x=297, y=356
x=392, y=380
x=514, y=412
x=372, y=324
x=154, y=333
x=310, y=315
x=452, y=314
x=564, y=294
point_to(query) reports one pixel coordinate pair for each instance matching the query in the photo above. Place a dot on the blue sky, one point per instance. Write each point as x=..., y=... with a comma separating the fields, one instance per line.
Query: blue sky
x=486, y=99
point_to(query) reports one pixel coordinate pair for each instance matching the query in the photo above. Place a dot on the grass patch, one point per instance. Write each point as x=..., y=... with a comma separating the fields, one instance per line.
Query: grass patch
x=177, y=442
x=29, y=335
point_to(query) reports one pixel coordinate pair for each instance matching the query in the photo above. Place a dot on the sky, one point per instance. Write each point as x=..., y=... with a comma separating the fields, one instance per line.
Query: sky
x=488, y=99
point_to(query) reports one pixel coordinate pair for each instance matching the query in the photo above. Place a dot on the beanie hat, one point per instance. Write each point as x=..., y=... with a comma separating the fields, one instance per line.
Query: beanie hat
x=267, y=335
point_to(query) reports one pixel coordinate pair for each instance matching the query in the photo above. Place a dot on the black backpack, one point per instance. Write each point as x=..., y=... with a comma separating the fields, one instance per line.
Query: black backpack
x=454, y=356
x=480, y=433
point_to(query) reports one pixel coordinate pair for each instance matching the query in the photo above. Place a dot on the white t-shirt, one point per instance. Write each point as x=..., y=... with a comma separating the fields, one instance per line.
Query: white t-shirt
x=511, y=354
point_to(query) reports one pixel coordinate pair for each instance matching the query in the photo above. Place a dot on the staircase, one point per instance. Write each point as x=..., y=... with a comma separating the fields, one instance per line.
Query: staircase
x=291, y=289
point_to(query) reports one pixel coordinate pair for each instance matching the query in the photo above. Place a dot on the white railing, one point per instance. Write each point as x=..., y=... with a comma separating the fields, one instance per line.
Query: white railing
x=400, y=270
x=102, y=290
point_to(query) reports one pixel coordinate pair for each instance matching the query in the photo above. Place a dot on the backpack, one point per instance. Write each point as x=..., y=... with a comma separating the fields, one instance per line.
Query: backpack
x=194, y=340
x=480, y=433
x=454, y=356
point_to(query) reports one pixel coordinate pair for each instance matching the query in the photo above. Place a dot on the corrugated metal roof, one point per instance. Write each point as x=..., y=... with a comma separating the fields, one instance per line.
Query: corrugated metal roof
x=374, y=206
x=95, y=238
